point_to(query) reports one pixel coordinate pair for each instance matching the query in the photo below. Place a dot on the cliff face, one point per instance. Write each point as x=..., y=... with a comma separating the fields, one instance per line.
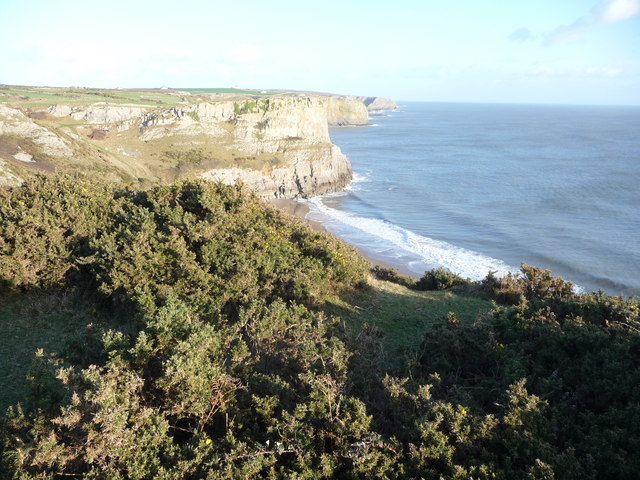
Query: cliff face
x=279, y=146
x=376, y=104
x=343, y=111
x=294, y=132
x=308, y=174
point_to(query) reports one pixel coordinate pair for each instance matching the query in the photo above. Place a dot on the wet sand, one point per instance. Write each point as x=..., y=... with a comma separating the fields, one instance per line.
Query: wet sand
x=300, y=210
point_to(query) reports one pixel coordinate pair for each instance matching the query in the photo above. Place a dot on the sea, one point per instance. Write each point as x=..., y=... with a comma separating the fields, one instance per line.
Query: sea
x=475, y=188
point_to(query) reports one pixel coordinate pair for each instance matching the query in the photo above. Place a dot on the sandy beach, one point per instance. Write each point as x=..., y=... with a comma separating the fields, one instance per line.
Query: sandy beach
x=299, y=210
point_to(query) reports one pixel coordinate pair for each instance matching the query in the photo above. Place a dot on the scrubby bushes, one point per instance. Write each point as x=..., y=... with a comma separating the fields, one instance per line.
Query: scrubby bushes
x=200, y=239
x=230, y=369
x=439, y=279
x=46, y=226
x=218, y=248
x=528, y=392
x=531, y=282
x=392, y=275
x=435, y=279
x=186, y=397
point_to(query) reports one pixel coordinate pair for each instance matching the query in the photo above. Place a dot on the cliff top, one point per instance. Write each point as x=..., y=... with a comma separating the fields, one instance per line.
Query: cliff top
x=37, y=97
x=26, y=96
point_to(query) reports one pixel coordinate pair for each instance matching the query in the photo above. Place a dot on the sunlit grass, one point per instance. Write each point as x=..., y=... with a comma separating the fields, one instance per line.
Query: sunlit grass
x=404, y=315
x=44, y=96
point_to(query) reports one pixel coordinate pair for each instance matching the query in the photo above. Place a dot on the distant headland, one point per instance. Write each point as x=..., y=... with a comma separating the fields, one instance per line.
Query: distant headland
x=276, y=142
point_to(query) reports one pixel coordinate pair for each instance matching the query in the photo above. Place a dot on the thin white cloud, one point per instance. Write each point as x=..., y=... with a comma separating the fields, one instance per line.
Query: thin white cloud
x=606, y=11
x=574, y=72
x=521, y=35
x=618, y=10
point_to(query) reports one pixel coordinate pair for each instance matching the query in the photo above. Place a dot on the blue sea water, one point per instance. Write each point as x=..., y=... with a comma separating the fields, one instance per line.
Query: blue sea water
x=480, y=187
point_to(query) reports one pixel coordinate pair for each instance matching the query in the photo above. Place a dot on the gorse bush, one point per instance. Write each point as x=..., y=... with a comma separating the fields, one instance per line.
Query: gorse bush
x=439, y=279
x=46, y=226
x=217, y=247
x=391, y=275
x=531, y=282
x=218, y=362
x=543, y=385
x=228, y=367
x=191, y=236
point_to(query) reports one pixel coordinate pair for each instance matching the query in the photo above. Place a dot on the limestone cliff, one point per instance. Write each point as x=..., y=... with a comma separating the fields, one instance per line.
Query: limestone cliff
x=343, y=111
x=376, y=104
x=326, y=170
x=277, y=144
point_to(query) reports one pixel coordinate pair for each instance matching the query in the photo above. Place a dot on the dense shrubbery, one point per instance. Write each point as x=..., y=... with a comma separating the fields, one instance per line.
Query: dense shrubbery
x=46, y=226
x=531, y=282
x=439, y=279
x=520, y=393
x=231, y=369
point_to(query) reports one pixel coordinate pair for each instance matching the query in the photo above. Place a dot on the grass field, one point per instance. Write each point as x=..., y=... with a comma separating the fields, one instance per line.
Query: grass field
x=37, y=97
x=234, y=91
x=34, y=97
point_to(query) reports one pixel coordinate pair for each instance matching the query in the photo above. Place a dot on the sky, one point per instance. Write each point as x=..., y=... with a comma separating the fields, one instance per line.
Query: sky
x=525, y=51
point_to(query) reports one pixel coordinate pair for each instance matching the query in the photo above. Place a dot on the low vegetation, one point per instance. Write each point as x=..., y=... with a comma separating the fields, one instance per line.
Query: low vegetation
x=35, y=97
x=44, y=96
x=237, y=91
x=189, y=331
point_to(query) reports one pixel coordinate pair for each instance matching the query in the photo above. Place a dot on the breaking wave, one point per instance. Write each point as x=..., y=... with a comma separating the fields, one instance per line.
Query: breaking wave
x=380, y=238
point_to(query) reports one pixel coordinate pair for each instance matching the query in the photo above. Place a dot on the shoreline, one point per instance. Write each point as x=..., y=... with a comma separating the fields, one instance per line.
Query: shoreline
x=299, y=210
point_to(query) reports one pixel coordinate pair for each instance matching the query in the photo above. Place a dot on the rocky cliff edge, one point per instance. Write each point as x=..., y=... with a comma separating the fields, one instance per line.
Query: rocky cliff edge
x=279, y=145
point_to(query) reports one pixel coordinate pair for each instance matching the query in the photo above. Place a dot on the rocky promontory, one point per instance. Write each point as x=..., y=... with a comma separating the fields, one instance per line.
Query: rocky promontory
x=377, y=104
x=343, y=111
x=278, y=145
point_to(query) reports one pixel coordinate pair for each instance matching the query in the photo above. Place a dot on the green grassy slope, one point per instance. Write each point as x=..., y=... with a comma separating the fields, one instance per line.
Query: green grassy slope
x=402, y=314
x=30, y=322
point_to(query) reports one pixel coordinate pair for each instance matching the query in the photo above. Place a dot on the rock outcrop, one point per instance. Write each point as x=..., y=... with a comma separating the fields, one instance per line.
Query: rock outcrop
x=16, y=123
x=343, y=111
x=7, y=177
x=326, y=170
x=279, y=146
x=376, y=104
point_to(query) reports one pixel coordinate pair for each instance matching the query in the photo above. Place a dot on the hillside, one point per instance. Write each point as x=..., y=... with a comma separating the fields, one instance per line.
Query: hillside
x=277, y=143
x=191, y=331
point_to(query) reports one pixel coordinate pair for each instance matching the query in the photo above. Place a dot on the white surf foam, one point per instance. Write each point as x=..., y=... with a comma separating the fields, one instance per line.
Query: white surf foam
x=461, y=261
x=361, y=177
x=355, y=185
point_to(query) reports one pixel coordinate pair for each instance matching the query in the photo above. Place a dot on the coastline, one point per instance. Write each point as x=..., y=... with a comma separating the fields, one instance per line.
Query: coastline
x=300, y=210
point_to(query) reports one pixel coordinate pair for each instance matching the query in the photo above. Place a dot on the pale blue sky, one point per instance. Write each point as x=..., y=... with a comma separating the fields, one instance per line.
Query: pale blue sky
x=529, y=51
